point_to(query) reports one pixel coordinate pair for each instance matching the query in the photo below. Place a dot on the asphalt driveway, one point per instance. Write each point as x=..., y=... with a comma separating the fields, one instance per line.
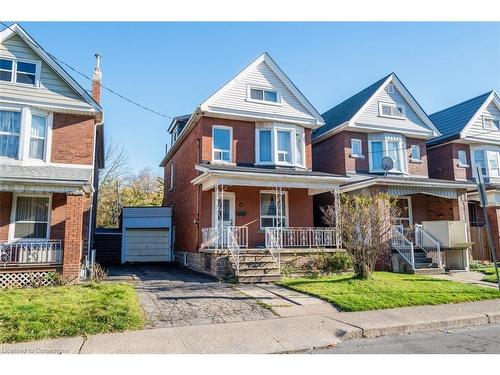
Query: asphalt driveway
x=175, y=296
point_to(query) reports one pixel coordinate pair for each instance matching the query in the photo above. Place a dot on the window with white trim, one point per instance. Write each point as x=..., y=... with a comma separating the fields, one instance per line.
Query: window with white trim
x=38, y=136
x=390, y=88
x=284, y=150
x=299, y=149
x=10, y=133
x=19, y=71
x=415, y=152
x=263, y=95
x=171, y=176
x=462, y=158
x=268, y=214
x=222, y=138
x=479, y=160
x=31, y=217
x=356, y=147
x=381, y=145
x=265, y=145
x=490, y=123
x=391, y=110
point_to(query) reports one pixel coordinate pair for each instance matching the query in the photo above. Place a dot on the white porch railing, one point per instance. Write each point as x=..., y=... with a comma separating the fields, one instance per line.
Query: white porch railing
x=306, y=237
x=212, y=238
x=428, y=244
x=19, y=253
x=274, y=244
x=403, y=245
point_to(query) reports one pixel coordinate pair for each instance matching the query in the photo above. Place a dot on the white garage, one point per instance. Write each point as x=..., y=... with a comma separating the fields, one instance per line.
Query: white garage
x=147, y=234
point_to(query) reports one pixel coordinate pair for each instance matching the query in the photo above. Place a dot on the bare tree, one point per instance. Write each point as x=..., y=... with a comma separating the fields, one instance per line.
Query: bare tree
x=116, y=163
x=365, y=228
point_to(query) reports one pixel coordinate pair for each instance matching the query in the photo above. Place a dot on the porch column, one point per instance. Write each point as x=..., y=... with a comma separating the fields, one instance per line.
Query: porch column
x=336, y=202
x=73, y=236
x=219, y=214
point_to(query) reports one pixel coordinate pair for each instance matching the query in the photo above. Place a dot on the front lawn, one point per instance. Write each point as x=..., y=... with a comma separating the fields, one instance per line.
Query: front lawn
x=34, y=314
x=387, y=290
x=490, y=274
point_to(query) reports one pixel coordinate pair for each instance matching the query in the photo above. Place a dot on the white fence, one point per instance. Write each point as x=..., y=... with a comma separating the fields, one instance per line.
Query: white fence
x=308, y=237
x=216, y=238
x=19, y=253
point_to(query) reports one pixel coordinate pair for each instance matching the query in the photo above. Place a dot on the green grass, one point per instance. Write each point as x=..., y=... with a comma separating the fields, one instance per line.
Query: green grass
x=490, y=274
x=387, y=290
x=61, y=311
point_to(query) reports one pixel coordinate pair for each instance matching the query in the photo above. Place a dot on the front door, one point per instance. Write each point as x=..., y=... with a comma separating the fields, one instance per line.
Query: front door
x=403, y=217
x=227, y=214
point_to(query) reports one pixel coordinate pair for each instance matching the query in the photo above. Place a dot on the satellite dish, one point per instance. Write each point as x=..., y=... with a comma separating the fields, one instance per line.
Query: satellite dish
x=387, y=164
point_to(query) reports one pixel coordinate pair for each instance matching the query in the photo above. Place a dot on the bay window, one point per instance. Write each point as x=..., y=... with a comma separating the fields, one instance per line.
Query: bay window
x=31, y=217
x=38, y=137
x=381, y=145
x=280, y=145
x=10, y=133
x=269, y=217
x=222, y=138
x=488, y=161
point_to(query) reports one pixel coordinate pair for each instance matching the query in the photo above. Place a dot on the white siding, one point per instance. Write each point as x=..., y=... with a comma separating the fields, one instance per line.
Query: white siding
x=370, y=116
x=52, y=91
x=234, y=96
x=477, y=129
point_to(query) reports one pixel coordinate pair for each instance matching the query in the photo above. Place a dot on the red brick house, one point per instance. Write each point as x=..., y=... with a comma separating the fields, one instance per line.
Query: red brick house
x=378, y=138
x=239, y=168
x=51, y=148
x=470, y=138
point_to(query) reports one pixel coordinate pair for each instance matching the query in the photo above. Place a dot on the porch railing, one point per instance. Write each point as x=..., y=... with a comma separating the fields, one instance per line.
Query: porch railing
x=20, y=253
x=309, y=237
x=212, y=238
x=274, y=244
x=428, y=244
x=403, y=245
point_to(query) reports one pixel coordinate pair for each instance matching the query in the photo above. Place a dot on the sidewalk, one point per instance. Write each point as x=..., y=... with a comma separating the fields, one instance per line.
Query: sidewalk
x=319, y=327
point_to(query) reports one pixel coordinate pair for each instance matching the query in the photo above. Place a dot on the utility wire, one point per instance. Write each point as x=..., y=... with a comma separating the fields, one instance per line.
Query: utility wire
x=131, y=101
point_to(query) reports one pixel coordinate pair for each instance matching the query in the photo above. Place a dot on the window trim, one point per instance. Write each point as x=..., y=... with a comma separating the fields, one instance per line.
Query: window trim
x=460, y=164
x=385, y=152
x=291, y=133
x=274, y=145
x=492, y=119
x=19, y=135
x=223, y=127
x=12, y=222
x=419, y=154
x=257, y=147
x=13, y=78
x=390, y=88
x=263, y=101
x=285, y=193
x=360, y=142
x=392, y=105
x=172, y=171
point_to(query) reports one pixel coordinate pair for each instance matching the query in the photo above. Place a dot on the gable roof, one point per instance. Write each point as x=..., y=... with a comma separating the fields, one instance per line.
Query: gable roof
x=350, y=109
x=265, y=57
x=452, y=121
x=346, y=110
x=16, y=29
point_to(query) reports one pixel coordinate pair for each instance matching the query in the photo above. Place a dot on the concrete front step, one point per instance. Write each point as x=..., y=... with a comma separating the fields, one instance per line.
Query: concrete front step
x=256, y=258
x=259, y=272
x=258, y=279
x=429, y=271
x=257, y=266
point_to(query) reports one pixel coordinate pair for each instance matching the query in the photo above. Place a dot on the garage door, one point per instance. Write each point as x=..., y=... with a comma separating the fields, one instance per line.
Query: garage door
x=147, y=245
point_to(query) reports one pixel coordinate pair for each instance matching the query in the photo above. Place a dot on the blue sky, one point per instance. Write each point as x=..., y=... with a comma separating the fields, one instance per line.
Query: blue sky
x=172, y=67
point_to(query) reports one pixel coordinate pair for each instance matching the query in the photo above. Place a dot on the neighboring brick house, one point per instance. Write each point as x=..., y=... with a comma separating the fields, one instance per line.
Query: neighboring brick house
x=240, y=166
x=384, y=123
x=470, y=138
x=51, y=147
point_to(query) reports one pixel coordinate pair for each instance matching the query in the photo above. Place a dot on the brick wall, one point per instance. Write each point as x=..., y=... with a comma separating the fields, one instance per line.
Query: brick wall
x=58, y=217
x=329, y=155
x=72, y=139
x=73, y=236
x=417, y=168
x=5, y=207
x=443, y=162
x=494, y=216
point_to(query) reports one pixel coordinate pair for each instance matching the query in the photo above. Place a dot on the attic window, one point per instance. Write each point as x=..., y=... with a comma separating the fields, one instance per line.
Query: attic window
x=24, y=72
x=391, y=110
x=390, y=88
x=490, y=123
x=263, y=95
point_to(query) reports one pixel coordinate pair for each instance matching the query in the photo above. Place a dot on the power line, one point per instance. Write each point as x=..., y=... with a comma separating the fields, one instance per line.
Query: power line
x=131, y=101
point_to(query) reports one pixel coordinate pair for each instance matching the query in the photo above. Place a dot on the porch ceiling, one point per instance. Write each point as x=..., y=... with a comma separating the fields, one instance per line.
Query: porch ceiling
x=314, y=183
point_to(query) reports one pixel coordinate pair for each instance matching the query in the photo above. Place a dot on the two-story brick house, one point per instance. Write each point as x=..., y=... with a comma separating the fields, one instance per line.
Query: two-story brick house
x=51, y=147
x=378, y=138
x=470, y=138
x=241, y=165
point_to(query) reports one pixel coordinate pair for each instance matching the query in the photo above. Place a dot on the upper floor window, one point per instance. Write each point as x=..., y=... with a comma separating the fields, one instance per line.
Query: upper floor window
x=171, y=187
x=488, y=160
x=19, y=71
x=462, y=158
x=490, y=123
x=415, y=152
x=222, y=138
x=356, y=149
x=263, y=95
x=391, y=110
x=10, y=133
x=38, y=137
x=283, y=146
x=382, y=145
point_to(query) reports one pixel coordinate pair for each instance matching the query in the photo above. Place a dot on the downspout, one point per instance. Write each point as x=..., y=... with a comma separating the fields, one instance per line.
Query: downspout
x=91, y=210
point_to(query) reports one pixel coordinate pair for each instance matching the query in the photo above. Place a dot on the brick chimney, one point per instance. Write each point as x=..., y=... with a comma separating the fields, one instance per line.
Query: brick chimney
x=96, y=79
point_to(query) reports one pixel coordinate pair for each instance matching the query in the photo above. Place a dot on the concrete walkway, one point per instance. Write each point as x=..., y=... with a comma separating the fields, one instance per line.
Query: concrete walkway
x=319, y=328
x=468, y=277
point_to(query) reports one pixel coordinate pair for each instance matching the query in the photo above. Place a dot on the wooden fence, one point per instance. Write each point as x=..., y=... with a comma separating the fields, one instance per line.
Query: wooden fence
x=480, y=249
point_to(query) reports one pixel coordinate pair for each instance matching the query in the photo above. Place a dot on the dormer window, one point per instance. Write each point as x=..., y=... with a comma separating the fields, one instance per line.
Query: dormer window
x=263, y=95
x=222, y=137
x=391, y=110
x=490, y=123
x=20, y=71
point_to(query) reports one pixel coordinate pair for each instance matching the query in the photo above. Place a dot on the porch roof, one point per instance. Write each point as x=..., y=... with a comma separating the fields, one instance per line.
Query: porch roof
x=316, y=182
x=399, y=185
x=46, y=179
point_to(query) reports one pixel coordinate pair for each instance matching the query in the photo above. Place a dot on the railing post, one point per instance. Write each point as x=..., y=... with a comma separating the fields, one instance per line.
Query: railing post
x=412, y=256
